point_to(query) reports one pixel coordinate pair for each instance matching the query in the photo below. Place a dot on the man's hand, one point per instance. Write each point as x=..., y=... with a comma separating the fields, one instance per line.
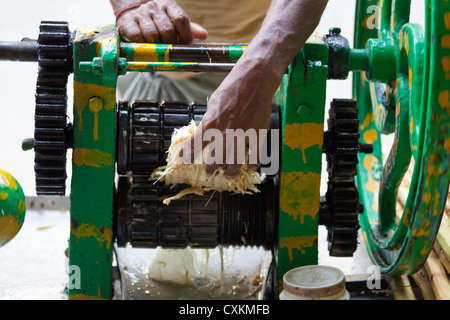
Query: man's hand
x=158, y=21
x=243, y=100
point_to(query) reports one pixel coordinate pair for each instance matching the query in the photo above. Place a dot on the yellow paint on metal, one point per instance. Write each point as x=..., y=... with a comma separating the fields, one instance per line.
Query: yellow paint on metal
x=367, y=121
x=86, y=30
x=426, y=197
x=85, y=91
x=406, y=216
x=91, y=157
x=9, y=227
x=446, y=66
x=370, y=136
x=444, y=100
x=445, y=41
x=372, y=185
x=303, y=136
x=298, y=243
x=301, y=195
x=147, y=52
x=95, y=105
x=101, y=234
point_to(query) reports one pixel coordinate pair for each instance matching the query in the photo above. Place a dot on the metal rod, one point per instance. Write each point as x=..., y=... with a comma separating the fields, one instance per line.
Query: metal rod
x=205, y=53
x=179, y=66
x=25, y=50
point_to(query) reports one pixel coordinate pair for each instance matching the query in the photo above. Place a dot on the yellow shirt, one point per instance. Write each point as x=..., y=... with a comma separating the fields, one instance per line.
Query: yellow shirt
x=227, y=21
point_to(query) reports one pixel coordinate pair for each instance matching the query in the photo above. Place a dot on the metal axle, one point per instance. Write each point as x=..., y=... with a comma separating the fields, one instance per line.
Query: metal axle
x=25, y=50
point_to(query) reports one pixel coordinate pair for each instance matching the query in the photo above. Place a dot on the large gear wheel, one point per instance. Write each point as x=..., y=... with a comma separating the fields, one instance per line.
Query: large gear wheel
x=51, y=141
x=339, y=213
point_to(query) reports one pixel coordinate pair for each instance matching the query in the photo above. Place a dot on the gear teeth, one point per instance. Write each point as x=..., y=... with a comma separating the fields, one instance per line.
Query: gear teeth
x=54, y=60
x=342, y=196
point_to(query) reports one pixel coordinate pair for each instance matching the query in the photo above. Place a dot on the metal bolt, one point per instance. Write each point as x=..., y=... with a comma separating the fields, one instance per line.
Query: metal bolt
x=304, y=111
x=95, y=104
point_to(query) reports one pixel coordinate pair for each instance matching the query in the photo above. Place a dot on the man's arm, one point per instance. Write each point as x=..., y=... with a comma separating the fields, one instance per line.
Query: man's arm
x=157, y=21
x=244, y=99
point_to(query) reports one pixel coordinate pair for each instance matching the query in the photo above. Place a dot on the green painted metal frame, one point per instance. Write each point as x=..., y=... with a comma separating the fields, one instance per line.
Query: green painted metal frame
x=302, y=101
x=93, y=164
x=410, y=65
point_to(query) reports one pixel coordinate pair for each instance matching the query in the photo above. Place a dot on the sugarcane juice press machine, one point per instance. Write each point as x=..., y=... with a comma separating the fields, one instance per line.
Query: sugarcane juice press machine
x=401, y=86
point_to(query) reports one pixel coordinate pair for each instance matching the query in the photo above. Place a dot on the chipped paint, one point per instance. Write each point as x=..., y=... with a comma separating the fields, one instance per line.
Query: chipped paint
x=101, y=234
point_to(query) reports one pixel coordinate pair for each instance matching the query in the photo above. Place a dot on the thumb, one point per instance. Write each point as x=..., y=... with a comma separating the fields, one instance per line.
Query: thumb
x=198, y=32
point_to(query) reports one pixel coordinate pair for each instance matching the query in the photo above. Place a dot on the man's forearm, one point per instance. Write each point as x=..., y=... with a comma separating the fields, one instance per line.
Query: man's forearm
x=288, y=25
x=119, y=5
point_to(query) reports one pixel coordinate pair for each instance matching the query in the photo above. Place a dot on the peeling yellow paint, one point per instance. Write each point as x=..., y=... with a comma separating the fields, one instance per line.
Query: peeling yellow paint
x=91, y=157
x=101, y=234
x=300, y=195
x=298, y=243
x=303, y=136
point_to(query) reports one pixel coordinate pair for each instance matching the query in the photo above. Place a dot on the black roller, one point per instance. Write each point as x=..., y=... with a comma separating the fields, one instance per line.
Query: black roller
x=214, y=219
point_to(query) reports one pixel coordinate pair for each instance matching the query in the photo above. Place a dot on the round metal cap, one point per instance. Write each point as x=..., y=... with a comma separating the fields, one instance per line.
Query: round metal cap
x=314, y=281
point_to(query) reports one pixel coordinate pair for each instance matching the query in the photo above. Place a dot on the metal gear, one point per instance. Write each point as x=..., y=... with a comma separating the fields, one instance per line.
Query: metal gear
x=339, y=212
x=51, y=129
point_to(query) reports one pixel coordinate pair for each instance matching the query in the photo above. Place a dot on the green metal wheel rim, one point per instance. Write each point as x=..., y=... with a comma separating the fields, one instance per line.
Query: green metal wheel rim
x=416, y=77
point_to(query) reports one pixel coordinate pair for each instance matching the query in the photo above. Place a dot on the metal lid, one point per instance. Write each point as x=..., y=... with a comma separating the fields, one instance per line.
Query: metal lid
x=314, y=281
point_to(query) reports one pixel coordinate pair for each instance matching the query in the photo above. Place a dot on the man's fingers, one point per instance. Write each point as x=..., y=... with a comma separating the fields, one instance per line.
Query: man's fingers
x=198, y=32
x=166, y=29
x=181, y=23
x=131, y=31
x=149, y=30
